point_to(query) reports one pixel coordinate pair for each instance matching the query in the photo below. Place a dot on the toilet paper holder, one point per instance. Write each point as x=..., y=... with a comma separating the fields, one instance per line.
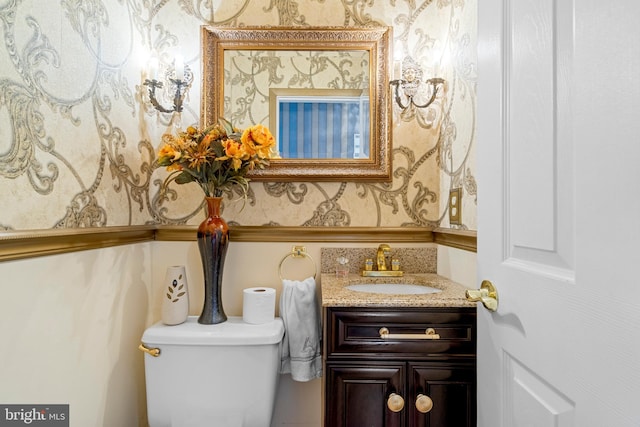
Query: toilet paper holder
x=298, y=252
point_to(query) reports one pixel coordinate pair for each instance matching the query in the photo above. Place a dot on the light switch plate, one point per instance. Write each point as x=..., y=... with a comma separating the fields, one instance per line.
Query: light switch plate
x=455, y=206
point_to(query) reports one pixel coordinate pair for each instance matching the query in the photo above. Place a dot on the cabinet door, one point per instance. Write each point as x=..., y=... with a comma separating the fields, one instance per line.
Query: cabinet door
x=451, y=388
x=356, y=395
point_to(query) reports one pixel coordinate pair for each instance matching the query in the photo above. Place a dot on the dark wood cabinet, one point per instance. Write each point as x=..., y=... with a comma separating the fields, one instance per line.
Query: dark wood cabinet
x=359, y=393
x=451, y=388
x=433, y=377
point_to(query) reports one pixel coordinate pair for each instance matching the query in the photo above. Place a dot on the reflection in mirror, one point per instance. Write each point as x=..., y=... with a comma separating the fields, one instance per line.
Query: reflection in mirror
x=320, y=123
x=312, y=87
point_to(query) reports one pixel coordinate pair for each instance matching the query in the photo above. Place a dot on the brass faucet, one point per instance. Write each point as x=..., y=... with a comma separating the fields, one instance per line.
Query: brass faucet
x=383, y=270
x=381, y=256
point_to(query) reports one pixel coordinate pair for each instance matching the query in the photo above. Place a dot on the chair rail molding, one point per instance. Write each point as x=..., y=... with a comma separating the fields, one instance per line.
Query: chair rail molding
x=16, y=245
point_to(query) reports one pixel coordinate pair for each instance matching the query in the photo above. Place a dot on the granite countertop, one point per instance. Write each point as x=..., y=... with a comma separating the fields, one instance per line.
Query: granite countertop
x=334, y=293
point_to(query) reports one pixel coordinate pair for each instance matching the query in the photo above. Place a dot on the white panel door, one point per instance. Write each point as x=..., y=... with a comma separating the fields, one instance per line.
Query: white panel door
x=559, y=212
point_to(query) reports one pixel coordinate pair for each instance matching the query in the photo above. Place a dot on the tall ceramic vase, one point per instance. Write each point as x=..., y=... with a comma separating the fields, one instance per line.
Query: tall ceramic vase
x=213, y=239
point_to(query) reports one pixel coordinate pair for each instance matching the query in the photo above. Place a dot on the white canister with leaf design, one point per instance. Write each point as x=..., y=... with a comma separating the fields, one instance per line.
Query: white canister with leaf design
x=175, y=296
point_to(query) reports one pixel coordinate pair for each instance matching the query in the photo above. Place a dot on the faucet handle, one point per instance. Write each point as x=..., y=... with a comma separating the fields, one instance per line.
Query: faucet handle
x=368, y=264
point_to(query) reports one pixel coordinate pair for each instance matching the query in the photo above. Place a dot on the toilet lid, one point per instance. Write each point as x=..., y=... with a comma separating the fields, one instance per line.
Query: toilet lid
x=232, y=332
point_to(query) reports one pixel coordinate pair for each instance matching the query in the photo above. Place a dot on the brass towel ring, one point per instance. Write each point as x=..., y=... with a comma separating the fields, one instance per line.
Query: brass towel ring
x=298, y=252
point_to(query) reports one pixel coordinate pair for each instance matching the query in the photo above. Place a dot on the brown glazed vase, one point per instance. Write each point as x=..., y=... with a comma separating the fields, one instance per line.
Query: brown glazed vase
x=213, y=239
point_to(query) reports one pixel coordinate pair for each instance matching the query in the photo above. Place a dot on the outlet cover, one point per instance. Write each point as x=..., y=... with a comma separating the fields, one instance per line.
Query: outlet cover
x=455, y=206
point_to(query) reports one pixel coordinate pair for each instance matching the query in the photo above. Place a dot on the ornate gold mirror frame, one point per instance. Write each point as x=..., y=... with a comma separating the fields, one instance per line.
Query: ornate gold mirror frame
x=376, y=41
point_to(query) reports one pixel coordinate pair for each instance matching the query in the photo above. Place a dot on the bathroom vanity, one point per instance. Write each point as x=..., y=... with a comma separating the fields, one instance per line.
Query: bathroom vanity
x=398, y=359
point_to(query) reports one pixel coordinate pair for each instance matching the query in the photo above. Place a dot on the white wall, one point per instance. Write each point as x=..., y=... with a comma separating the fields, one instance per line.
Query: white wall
x=458, y=265
x=70, y=324
x=256, y=264
x=251, y=264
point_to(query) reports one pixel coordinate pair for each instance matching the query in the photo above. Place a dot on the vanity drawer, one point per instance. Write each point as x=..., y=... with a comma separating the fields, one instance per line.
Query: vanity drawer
x=355, y=332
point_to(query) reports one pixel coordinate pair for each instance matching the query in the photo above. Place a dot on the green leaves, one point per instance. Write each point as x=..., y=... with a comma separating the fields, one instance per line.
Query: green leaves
x=226, y=125
x=184, y=178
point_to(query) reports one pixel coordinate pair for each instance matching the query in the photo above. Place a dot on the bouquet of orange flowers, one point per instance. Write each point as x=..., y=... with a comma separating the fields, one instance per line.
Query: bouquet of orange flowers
x=218, y=157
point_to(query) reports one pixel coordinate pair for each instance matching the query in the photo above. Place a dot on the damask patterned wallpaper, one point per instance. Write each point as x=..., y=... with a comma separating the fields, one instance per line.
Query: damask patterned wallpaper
x=78, y=136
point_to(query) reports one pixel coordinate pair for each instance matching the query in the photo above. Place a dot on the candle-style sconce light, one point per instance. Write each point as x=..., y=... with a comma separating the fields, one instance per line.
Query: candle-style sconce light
x=411, y=84
x=178, y=79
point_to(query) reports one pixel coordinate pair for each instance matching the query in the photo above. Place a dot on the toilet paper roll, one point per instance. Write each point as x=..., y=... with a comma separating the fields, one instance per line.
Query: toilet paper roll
x=258, y=305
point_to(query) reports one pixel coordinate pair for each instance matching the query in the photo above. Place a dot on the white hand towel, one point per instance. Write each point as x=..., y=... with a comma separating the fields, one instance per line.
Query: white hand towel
x=300, y=312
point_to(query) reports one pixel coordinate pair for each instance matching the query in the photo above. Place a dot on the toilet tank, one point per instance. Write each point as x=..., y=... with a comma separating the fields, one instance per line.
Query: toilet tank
x=212, y=375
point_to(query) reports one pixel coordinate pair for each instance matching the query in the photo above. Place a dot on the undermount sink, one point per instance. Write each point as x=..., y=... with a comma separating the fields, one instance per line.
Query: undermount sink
x=393, y=288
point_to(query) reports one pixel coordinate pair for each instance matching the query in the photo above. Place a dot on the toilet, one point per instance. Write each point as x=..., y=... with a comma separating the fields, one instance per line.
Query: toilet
x=212, y=375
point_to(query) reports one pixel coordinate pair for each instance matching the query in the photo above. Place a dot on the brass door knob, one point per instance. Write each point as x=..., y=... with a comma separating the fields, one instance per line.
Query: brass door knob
x=424, y=403
x=395, y=402
x=487, y=294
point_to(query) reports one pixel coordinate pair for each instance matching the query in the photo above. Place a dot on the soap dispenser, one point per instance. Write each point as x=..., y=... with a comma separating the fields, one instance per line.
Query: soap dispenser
x=342, y=267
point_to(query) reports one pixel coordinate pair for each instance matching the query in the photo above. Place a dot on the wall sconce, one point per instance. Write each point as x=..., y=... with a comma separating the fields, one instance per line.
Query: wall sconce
x=408, y=86
x=178, y=79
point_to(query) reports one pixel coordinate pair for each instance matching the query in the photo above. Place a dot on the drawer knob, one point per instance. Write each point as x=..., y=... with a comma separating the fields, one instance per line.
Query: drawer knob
x=424, y=403
x=395, y=402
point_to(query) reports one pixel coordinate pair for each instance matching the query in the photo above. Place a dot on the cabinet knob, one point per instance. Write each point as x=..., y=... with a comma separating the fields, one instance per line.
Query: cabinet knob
x=424, y=403
x=395, y=402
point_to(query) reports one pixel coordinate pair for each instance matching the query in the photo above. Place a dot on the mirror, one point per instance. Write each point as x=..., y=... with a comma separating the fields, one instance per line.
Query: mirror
x=323, y=92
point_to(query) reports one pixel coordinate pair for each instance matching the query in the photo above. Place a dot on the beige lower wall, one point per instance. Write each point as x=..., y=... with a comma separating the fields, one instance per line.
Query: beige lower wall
x=250, y=264
x=69, y=327
x=70, y=324
x=458, y=265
